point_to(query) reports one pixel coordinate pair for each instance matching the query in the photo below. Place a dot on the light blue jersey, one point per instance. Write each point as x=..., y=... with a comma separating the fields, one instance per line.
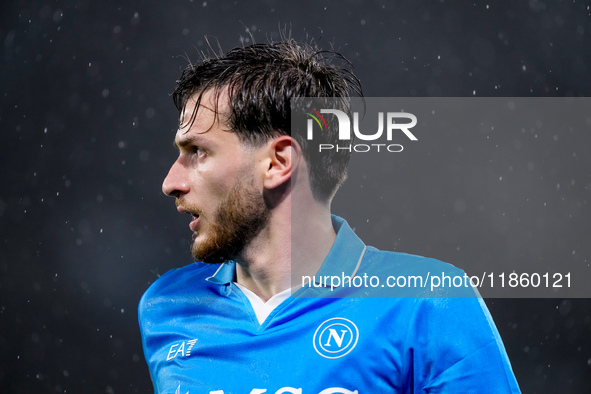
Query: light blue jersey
x=201, y=335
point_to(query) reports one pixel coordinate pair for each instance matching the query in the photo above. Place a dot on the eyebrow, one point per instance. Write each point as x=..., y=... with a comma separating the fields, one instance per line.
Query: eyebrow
x=184, y=141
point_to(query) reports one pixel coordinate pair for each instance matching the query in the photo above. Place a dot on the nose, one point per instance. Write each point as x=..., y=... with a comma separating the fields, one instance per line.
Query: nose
x=176, y=183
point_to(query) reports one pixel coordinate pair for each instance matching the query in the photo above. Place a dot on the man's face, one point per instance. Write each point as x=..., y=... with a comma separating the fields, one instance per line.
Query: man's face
x=213, y=180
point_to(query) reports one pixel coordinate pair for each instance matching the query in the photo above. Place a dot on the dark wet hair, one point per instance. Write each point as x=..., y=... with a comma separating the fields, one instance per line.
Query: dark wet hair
x=261, y=81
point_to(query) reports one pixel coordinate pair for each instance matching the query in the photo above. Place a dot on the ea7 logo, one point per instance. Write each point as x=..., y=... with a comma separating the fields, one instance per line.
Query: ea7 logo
x=335, y=338
x=183, y=349
x=345, y=124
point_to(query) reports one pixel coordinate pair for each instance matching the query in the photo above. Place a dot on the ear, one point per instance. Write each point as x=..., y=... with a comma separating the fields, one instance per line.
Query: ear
x=282, y=159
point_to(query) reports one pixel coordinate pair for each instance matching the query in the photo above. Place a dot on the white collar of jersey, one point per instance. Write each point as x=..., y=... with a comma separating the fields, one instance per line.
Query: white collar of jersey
x=262, y=309
x=344, y=257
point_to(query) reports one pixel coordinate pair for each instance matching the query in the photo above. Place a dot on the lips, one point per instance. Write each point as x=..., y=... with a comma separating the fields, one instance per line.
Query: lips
x=195, y=221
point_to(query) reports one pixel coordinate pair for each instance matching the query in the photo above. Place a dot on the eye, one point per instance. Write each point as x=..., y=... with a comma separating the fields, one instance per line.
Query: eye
x=197, y=150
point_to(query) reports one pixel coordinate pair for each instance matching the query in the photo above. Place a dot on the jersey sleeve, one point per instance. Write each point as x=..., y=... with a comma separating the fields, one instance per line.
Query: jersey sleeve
x=460, y=350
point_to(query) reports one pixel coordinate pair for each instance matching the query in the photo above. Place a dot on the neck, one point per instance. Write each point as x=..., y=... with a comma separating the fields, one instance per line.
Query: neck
x=295, y=243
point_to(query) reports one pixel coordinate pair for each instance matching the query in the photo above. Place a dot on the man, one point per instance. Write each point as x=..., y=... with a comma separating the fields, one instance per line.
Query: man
x=259, y=204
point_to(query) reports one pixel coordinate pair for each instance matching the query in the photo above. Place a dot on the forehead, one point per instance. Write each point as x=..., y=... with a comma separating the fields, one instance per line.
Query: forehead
x=212, y=106
x=199, y=120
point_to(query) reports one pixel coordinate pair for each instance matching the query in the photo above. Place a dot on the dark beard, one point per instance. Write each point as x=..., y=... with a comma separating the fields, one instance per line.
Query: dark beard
x=241, y=215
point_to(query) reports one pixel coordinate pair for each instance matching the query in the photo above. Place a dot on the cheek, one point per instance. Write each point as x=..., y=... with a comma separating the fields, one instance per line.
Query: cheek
x=211, y=186
x=214, y=177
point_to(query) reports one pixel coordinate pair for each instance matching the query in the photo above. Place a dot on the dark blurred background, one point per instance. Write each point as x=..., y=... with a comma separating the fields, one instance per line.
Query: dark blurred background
x=86, y=124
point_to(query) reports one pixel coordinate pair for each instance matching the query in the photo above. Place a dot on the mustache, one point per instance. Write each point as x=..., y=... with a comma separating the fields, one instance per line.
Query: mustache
x=193, y=209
